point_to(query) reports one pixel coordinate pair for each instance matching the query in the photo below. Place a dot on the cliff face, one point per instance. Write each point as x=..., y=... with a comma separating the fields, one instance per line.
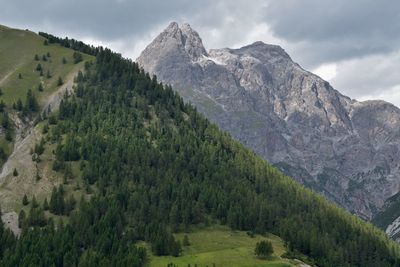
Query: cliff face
x=347, y=150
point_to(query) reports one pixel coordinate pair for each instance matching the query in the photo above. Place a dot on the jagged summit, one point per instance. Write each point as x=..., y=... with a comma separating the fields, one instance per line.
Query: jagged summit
x=181, y=42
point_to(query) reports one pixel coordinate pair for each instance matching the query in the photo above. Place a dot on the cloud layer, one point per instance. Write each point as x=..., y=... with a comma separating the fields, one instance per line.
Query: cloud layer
x=353, y=44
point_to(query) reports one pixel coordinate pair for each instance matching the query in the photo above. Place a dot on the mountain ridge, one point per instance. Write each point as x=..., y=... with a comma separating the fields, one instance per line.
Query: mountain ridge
x=336, y=145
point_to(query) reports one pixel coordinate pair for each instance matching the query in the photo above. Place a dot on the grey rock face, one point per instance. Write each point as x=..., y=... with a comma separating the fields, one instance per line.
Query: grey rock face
x=347, y=150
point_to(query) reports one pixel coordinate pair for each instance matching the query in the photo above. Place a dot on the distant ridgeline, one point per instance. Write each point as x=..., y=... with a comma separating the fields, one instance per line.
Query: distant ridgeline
x=152, y=165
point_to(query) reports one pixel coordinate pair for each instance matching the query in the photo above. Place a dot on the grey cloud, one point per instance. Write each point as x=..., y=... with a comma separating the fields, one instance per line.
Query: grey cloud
x=357, y=35
x=368, y=76
x=339, y=29
x=103, y=19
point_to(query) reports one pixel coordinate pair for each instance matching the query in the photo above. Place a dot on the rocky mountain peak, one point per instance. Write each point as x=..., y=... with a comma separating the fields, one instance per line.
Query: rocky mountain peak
x=192, y=42
x=179, y=42
x=345, y=149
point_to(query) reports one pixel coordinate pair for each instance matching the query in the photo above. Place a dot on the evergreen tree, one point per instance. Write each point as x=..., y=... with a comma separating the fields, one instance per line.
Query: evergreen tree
x=15, y=172
x=25, y=200
x=39, y=67
x=45, y=205
x=59, y=81
x=31, y=102
x=40, y=87
x=21, y=218
x=5, y=120
x=263, y=249
x=77, y=57
x=19, y=105
x=2, y=105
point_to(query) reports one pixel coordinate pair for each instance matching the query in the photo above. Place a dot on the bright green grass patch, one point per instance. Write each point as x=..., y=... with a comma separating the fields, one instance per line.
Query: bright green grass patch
x=17, y=51
x=220, y=247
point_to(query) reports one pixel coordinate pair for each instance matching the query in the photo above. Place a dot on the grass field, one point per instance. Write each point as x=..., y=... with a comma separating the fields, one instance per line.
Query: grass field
x=220, y=247
x=17, y=51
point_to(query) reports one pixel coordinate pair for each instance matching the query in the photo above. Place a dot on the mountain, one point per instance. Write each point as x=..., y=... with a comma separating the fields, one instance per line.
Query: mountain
x=132, y=170
x=345, y=149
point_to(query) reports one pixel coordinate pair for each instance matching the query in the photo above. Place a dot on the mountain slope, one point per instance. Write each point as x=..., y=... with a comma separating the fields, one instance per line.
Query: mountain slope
x=21, y=51
x=146, y=165
x=347, y=150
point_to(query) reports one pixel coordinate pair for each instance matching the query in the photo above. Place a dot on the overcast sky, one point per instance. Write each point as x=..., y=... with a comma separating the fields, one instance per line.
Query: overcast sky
x=355, y=45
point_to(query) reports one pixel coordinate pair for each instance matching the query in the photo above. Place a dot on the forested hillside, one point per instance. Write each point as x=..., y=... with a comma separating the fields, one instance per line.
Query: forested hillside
x=151, y=165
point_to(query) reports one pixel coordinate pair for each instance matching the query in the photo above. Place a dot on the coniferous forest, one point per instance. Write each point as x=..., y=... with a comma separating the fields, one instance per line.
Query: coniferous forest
x=153, y=166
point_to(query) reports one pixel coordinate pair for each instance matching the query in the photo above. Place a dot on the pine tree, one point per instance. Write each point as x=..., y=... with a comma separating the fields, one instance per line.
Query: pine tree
x=2, y=105
x=36, y=57
x=21, y=218
x=263, y=249
x=59, y=81
x=45, y=204
x=19, y=105
x=25, y=200
x=77, y=57
x=40, y=87
x=15, y=172
x=39, y=67
x=34, y=202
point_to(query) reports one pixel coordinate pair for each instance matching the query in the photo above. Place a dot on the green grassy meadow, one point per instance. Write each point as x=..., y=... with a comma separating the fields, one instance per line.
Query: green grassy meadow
x=218, y=246
x=17, y=51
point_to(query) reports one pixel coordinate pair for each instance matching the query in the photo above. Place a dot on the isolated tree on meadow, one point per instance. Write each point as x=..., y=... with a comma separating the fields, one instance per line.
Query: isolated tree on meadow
x=263, y=249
